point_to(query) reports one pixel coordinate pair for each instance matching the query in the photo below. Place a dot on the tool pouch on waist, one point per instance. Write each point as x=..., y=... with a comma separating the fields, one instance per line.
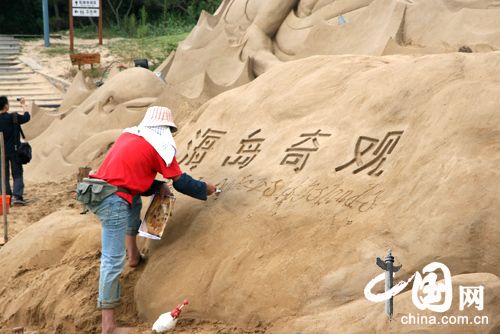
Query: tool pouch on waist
x=94, y=191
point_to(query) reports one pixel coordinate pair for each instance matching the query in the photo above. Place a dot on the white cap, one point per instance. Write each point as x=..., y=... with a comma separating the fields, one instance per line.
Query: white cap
x=157, y=116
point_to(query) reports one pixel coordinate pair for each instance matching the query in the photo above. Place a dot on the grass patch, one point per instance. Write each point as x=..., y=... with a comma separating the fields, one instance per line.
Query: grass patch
x=56, y=49
x=155, y=49
x=134, y=27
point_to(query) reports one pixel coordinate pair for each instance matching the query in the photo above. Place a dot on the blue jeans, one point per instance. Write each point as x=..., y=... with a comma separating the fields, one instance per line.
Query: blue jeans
x=117, y=219
x=17, y=176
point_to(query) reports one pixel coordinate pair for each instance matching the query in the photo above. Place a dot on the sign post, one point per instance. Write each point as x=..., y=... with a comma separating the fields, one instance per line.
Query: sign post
x=84, y=8
x=45, y=10
x=100, y=22
x=71, y=32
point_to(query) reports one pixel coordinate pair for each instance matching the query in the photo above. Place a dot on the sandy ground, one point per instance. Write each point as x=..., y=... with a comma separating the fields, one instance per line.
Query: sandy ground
x=44, y=199
x=59, y=65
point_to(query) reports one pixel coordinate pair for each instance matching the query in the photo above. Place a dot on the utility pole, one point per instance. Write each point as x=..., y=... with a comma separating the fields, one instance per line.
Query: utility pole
x=45, y=8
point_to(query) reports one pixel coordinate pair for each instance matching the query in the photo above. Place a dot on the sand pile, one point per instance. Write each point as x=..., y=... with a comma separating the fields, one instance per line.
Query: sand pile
x=325, y=163
x=48, y=271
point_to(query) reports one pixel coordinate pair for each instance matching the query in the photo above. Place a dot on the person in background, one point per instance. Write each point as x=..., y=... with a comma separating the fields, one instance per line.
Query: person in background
x=12, y=139
x=132, y=164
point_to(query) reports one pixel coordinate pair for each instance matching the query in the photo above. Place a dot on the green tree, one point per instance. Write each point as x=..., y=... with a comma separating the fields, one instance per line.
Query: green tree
x=25, y=16
x=21, y=17
x=120, y=9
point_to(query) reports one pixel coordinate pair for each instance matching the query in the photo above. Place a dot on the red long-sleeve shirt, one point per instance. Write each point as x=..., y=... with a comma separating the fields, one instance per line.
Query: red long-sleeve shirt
x=132, y=163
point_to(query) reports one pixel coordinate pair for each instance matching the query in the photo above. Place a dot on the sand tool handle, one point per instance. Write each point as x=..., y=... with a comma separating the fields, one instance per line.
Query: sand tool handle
x=176, y=312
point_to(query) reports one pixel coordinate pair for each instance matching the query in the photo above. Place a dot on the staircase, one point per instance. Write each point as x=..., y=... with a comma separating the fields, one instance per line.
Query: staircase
x=18, y=79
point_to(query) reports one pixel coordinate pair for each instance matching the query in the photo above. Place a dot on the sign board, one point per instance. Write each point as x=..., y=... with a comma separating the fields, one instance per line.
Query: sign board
x=84, y=8
x=86, y=12
x=85, y=3
x=85, y=58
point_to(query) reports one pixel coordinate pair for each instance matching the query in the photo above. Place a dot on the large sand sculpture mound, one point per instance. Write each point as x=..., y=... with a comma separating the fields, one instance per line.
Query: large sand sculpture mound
x=245, y=38
x=325, y=163
x=340, y=158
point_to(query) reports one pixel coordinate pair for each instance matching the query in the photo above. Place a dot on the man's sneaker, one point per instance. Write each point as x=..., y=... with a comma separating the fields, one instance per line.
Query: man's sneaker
x=18, y=201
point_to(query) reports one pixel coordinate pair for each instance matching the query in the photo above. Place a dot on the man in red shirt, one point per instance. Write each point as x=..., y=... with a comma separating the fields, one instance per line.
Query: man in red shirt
x=132, y=163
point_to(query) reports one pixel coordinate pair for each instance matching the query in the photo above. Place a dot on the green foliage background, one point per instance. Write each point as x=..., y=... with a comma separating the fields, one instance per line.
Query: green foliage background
x=132, y=18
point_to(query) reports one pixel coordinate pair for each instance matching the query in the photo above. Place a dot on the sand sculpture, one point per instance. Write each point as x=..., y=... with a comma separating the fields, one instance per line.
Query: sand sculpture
x=245, y=38
x=79, y=90
x=325, y=162
x=84, y=134
x=303, y=212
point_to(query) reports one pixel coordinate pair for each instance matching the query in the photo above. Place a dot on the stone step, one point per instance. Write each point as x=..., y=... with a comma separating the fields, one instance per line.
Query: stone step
x=19, y=80
x=31, y=94
x=33, y=97
x=9, y=63
x=14, y=79
x=19, y=83
x=36, y=96
x=11, y=68
x=8, y=58
x=14, y=103
x=9, y=46
x=16, y=76
x=7, y=49
x=38, y=102
x=26, y=88
x=9, y=73
x=46, y=105
x=18, y=67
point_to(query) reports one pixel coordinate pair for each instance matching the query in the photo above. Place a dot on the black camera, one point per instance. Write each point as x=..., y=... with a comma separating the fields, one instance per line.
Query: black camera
x=18, y=98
